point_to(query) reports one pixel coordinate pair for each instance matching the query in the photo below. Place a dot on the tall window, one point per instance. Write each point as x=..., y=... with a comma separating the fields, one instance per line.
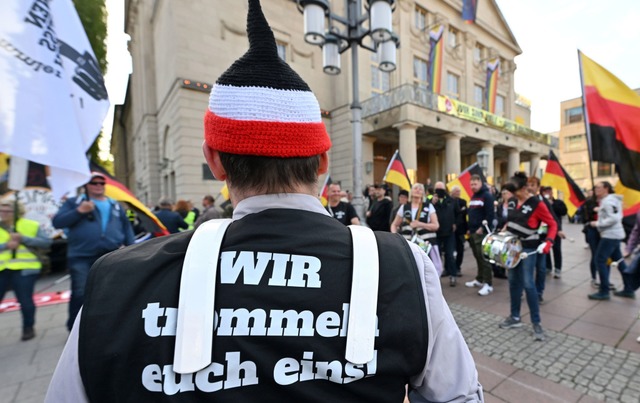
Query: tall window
x=420, y=72
x=478, y=50
x=282, y=50
x=573, y=115
x=452, y=37
x=452, y=85
x=575, y=143
x=605, y=169
x=478, y=96
x=420, y=18
x=379, y=79
x=499, y=105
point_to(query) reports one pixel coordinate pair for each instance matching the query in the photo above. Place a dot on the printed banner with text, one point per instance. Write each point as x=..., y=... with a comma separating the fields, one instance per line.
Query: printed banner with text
x=53, y=92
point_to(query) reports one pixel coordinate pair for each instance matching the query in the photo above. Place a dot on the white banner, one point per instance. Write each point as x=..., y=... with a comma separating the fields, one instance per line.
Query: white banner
x=52, y=99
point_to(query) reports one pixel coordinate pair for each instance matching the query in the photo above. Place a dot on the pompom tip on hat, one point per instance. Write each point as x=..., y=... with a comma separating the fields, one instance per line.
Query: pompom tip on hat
x=260, y=106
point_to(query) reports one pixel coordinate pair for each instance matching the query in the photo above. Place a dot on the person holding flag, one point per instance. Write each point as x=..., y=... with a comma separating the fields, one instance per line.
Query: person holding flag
x=609, y=224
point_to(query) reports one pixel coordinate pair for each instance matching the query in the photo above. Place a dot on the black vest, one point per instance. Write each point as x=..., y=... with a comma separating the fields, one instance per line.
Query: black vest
x=518, y=221
x=423, y=216
x=271, y=340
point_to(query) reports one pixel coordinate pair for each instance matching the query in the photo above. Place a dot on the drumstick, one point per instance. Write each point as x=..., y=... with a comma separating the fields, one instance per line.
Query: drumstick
x=486, y=226
x=614, y=265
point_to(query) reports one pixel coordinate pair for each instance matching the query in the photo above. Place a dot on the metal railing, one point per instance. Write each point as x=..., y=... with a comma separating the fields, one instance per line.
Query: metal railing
x=420, y=96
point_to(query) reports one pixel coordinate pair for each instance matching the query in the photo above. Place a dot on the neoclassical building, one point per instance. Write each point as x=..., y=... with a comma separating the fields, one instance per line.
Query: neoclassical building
x=179, y=48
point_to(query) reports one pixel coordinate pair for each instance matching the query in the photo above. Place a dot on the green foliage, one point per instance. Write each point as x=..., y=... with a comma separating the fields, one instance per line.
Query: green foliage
x=93, y=15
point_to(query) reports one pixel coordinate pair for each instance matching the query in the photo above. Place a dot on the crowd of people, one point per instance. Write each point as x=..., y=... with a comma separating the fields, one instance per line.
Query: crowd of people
x=523, y=207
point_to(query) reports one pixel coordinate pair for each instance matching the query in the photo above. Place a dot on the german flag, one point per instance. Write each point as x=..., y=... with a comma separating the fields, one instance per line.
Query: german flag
x=464, y=181
x=324, y=192
x=396, y=173
x=119, y=192
x=613, y=120
x=556, y=177
x=630, y=200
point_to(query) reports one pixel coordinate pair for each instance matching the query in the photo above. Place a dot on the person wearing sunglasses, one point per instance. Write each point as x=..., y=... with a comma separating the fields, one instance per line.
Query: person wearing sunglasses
x=95, y=225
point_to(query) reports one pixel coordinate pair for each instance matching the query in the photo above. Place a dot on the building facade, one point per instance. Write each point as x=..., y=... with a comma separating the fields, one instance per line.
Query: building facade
x=179, y=48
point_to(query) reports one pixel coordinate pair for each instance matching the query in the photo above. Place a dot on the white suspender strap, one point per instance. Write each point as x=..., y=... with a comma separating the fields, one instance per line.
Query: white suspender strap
x=361, y=328
x=194, y=330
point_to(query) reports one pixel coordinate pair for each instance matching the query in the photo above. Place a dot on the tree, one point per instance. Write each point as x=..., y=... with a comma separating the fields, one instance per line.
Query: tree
x=93, y=15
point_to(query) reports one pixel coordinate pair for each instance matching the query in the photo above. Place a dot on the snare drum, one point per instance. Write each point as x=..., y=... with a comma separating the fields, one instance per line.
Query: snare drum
x=502, y=249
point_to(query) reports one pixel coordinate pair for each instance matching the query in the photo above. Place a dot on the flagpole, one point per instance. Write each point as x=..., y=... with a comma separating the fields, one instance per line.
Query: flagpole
x=586, y=120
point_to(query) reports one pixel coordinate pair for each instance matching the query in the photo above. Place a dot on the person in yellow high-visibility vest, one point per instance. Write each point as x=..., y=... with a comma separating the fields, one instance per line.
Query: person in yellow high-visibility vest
x=19, y=266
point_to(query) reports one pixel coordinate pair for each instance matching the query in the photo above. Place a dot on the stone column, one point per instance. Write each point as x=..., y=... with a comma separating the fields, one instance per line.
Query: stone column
x=534, y=164
x=488, y=147
x=407, y=140
x=452, y=154
x=514, y=162
x=367, y=160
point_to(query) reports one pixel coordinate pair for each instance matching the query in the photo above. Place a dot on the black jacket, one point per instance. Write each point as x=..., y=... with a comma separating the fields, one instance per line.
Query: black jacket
x=447, y=211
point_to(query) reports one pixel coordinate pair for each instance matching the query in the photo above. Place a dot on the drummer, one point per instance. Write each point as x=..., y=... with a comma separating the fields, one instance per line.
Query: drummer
x=525, y=214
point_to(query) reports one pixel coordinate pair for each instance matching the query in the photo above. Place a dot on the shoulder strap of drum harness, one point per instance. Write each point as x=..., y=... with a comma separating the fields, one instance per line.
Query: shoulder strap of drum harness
x=193, y=347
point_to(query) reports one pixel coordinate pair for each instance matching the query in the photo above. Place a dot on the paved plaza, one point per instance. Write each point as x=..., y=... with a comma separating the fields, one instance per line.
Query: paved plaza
x=590, y=353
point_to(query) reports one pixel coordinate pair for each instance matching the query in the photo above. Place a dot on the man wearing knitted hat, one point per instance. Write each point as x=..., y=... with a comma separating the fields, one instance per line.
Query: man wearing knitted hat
x=282, y=302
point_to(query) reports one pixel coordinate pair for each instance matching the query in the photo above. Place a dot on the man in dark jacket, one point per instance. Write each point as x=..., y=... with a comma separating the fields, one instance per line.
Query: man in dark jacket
x=447, y=212
x=461, y=227
x=255, y=308
x=378, y=215
x=94, y=224
x=480, y=209
x=559, y=209
x=172, y=220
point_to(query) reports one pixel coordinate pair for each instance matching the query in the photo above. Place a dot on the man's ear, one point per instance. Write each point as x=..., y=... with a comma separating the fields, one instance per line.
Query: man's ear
x=213, y=160
x=324, y=163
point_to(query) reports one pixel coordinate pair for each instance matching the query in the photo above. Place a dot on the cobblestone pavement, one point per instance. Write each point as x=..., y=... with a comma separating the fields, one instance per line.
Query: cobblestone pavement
x=600, y=371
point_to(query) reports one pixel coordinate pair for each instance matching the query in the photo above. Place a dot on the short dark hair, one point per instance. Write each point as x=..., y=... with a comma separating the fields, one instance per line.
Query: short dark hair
x=269, y=174
x=476, y=177
x=209, y=198
x=607, y=185
x=519, y=180
x=403, y=193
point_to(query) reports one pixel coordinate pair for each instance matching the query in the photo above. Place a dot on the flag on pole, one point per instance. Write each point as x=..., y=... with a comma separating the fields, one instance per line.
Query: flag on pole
x=612, y=120
x=630, y=199
x=117, y=191
x=556, y=177
x=436, y=54
x=469, y=10
x=53, y=92
x=491, y=87
x=396, y=173
x=324, y=192
x=225, y=192
x=464, y=181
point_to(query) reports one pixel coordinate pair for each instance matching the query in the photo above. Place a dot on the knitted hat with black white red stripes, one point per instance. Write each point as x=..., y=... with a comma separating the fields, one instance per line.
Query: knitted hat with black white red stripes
x=260, y=106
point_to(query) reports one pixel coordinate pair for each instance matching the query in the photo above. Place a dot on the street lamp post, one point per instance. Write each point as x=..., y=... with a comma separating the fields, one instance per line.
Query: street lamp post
x=483, y=161
x=335, y=41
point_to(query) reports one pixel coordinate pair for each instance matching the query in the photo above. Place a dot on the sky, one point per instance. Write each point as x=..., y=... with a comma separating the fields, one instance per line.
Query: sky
x=549, y=33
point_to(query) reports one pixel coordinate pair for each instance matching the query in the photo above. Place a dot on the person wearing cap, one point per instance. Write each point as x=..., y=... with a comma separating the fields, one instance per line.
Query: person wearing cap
x=95, y=225
x=526, y=213
x=270, y=315
x=19, y=265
